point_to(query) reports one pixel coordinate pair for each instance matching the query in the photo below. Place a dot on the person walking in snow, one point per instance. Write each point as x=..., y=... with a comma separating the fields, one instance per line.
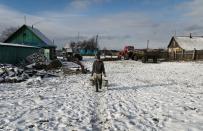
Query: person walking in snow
x=97, y=70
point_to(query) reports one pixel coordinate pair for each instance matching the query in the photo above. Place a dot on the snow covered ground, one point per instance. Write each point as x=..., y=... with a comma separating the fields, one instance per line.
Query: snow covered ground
x=149, y=97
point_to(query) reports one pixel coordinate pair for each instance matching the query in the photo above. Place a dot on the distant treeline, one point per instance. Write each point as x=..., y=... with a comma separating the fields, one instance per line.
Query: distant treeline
x=90, y=44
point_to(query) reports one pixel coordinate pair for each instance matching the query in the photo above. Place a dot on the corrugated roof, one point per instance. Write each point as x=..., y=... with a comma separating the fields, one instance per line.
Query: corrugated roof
x=41, y=36
x=188, y=43
x=17, y=45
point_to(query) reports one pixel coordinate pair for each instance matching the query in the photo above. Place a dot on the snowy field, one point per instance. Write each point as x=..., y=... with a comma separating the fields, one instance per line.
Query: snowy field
x=146, y=97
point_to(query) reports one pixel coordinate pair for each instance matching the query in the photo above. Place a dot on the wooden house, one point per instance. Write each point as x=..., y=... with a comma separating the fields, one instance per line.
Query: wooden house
x=88, y=52
x=185, y=48
x=30, y=36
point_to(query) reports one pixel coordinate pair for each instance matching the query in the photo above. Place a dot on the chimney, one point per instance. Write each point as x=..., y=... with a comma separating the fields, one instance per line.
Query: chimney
x=190, y=35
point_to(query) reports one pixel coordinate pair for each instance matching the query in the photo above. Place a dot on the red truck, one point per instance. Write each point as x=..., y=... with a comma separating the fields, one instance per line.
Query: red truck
x=127, y=52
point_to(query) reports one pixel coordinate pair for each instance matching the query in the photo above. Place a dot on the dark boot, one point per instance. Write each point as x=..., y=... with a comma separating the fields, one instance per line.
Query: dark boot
x=97, y=89
x=100, y=86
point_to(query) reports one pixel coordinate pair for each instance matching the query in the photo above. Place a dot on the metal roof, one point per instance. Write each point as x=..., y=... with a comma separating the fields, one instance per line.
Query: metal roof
x=188, y=43
x=17, y=45
x=48, y=42
x=41, y=36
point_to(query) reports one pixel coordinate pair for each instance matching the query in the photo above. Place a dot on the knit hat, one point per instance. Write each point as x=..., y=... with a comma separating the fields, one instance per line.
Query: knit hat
x=98, y=57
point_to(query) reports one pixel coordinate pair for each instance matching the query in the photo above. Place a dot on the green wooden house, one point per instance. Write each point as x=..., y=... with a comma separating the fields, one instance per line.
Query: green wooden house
x=30, y=36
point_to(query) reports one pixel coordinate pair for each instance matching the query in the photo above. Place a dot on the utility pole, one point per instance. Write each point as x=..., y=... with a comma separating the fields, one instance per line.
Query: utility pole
x=147, y=44
x=96, y=47
x=97, y=39
x=78, y=36
x=77, y=44
x=175, y=33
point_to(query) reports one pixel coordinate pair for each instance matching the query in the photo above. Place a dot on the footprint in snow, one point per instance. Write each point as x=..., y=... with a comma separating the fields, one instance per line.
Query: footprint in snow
x=156, y=120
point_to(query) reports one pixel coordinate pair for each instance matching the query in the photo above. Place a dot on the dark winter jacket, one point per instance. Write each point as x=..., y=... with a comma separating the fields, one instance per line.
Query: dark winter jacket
x=98, y=67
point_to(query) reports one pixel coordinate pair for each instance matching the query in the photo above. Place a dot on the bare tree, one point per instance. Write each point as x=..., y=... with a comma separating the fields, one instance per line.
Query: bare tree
x=90, y=44
x=72, y=44
x=7, y=32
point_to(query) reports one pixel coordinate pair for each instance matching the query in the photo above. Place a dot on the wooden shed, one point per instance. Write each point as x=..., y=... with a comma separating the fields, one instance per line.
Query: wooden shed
x=30, y=36
x=15, y=53
x=186, y=48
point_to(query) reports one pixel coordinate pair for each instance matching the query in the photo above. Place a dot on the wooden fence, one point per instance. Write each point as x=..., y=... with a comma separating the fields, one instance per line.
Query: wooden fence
x=186, y=55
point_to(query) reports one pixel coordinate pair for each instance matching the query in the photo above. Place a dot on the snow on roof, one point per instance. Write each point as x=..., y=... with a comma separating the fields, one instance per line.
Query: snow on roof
x=188, y=43
x=68, y=48
x=17, y=45
x=41, y=36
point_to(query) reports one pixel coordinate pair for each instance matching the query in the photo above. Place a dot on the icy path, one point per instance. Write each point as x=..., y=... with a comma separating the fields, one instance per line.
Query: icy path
x=166, y=96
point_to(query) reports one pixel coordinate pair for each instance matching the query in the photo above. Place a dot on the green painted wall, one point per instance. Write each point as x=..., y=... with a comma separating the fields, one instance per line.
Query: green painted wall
x=13, y=54
x=26, y=36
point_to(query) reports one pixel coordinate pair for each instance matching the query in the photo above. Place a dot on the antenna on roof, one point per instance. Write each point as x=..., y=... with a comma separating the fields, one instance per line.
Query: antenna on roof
x=25, y=20
x=36, y=23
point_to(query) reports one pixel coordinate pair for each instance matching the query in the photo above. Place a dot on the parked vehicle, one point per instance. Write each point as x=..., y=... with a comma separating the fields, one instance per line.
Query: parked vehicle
x=70, y=54
x=126, y=53
x=143, y=54
x=150, y=54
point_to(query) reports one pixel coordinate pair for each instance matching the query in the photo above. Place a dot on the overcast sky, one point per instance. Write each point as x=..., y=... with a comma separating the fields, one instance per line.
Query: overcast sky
x=117, y=22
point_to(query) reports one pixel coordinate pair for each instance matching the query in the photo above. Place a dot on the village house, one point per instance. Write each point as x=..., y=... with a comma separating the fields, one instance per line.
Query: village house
x=186, y=48
x=87, y=52
x=30, y=36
